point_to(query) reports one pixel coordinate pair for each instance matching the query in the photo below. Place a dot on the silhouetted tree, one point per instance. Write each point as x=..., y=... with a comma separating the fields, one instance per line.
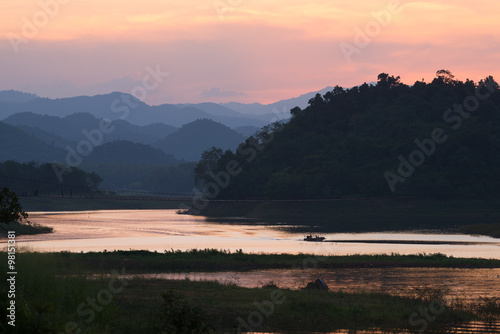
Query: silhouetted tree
x=10, y=208
x=207, y=164
x=445, y=75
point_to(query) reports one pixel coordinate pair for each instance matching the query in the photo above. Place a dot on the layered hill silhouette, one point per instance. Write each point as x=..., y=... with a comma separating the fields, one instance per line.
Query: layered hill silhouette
x=437, y=139
x=189, y=142
x=71, y=127
x=126, y=152
x=186, y=143
x=22, y=146
x=120, y=106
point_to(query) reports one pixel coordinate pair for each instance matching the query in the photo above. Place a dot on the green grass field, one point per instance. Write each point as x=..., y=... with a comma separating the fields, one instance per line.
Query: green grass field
x=138, y=262
x=55, y=294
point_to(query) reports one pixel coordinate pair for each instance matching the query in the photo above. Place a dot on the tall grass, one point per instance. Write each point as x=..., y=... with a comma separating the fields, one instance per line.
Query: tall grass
x=51, y=286
x=46, y=301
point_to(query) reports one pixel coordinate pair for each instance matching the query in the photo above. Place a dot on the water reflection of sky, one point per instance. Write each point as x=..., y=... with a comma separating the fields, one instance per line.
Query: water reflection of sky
x=466, y=284
x=164, y=229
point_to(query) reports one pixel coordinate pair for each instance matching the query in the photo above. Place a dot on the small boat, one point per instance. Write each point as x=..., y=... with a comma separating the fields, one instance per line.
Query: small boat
x=315, y=238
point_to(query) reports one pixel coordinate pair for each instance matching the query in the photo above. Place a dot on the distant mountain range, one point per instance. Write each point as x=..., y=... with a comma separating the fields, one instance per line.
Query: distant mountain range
x=53, y=134
x=59, y=123
x=123, y=106
x=126, y=141
x=70, y=128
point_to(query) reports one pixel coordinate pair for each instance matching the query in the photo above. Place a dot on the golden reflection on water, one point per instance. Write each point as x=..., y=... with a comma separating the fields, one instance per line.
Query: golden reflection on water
x=158, y=230
x=467, y=284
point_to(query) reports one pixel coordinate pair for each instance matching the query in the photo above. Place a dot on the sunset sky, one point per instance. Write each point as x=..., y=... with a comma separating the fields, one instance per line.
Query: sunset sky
x=240, y=50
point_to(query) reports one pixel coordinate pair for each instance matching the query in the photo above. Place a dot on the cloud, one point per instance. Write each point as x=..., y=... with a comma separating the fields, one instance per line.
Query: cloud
x=216, y=92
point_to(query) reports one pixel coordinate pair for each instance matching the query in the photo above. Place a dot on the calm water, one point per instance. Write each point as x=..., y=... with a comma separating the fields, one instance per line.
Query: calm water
x=164, y=229
x=157, y=230
x=466, y=284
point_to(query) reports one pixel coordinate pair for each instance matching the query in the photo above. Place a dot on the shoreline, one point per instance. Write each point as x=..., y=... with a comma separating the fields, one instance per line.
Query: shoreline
x=213, y=260
x=138, y=302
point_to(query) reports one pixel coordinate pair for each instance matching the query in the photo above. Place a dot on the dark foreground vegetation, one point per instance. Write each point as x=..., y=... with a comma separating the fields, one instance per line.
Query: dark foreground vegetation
x=427, y=140
x=14, y=218
x=492, y=230
x=55, y=294
x=141, y=261
x=24, y=228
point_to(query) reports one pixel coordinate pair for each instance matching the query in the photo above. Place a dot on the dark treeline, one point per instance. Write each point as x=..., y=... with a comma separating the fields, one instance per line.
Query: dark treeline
x=147, y=177
x=33, y=179
x=437, y=139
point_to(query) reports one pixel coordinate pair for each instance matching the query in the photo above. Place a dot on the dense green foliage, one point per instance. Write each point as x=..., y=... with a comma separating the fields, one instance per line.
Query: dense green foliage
x=199, y=260
x=437, y=139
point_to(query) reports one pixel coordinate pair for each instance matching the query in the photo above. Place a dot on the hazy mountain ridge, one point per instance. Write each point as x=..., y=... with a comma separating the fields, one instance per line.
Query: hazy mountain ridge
x=116, y=106
x=126, y=152
x=24, y=147
x=185, y=143
x=71, y=127
x=192, y=139
x=126, y=107
x=51, y=130
x=271, y=109
x=15, y=96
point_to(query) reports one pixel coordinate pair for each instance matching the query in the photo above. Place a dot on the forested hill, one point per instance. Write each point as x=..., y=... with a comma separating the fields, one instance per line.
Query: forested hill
x=390, y=139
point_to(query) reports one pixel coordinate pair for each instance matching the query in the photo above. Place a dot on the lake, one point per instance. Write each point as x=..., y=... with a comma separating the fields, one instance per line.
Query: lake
x=158, y=230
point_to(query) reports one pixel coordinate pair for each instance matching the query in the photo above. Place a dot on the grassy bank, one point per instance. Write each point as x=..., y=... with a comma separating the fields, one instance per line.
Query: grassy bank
x=23, y=228
x=138, y=262
x=366, y=214
x=54, y=295
x=31, y=204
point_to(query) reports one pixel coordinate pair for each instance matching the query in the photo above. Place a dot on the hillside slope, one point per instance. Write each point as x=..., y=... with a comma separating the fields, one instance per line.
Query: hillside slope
x=192, y=139
x=21, y=146
x=433, y=139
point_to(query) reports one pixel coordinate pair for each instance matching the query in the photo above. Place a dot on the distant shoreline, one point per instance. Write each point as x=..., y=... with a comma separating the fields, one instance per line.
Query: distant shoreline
x=211, y=260
x=467, y=216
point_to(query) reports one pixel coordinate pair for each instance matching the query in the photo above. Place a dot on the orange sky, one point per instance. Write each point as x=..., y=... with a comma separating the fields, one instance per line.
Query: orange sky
x=239, y=50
